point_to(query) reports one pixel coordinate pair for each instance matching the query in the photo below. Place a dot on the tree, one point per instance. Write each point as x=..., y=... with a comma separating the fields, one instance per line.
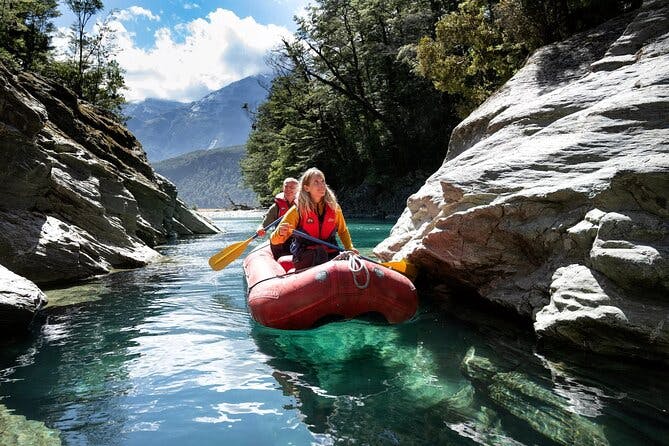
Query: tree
x=550, y=20
x=25, y=29
x=91, y=71
x=280, y=145
x=470, y=56
x=346, y=98
x=82, y=44
x=475, y=49
x=39, y=29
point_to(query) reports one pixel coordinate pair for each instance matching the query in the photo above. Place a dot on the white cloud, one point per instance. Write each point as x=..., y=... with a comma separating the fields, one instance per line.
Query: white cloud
x=189, y=60
x=299, y=7
x=133, y=12
x=60, y=41
x=214, y=51
x=191, y=6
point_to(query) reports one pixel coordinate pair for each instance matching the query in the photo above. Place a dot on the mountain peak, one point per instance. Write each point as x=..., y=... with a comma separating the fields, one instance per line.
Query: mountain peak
x=168, y=128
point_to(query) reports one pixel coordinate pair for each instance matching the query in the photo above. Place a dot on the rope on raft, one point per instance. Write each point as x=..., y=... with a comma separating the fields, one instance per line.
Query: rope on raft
x=355, y=265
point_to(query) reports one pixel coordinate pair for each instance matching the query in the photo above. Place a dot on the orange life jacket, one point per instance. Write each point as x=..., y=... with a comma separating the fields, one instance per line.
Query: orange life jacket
x=323, y=228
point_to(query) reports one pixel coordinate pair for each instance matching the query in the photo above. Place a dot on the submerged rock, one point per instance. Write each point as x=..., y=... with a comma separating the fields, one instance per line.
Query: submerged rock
x=546, y=412
x=414, y=383
x=567, y=164
x=18, y=431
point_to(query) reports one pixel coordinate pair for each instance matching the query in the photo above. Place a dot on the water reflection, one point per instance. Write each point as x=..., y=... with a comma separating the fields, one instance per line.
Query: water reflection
x=90, y=347
x=355, y=380
x=425, y=383
x=581, y=399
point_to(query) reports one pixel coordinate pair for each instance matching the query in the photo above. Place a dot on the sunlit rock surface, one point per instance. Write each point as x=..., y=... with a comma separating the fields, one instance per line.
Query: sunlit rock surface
x=567, y=165
x=77, y=195
x=20, y=299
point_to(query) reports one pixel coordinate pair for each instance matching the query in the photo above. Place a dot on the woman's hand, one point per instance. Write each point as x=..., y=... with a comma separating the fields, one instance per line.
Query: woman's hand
x=354, y=250
x=261, y=232
x=285, y=229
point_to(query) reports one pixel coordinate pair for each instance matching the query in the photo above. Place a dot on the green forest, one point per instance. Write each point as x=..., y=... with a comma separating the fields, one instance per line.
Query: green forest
x=370, y=90
x=209, y=178
x=367, y=90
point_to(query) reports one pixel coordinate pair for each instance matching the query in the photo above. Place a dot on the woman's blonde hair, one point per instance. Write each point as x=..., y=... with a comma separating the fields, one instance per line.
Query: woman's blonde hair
x=304, y=202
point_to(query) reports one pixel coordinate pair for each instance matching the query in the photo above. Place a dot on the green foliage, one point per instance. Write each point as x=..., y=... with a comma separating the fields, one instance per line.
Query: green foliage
x=478, y=47
x=354, y=92
x=275, y=147
x=546, y=21
x=471, y=55
x=25, y=28
x=83, y=45
x=102, y=86
x=346, y=100
x=65, y=72
x=90, y=69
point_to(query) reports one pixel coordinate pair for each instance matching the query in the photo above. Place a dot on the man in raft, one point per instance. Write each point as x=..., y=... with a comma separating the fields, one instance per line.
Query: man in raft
x=282, y=202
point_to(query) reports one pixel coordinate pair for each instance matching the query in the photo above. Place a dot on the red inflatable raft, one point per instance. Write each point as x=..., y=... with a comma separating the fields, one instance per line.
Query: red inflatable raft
x=278, y=297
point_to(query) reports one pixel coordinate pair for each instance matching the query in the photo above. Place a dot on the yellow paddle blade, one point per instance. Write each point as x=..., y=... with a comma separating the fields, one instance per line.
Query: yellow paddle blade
x=228, y=255
x=404, y=267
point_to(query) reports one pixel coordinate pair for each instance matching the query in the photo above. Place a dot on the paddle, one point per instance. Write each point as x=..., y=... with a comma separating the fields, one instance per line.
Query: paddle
x=401, y=266
x=227, y=255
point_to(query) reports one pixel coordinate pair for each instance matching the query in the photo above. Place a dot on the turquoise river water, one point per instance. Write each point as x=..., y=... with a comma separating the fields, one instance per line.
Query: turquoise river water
x=168, y=355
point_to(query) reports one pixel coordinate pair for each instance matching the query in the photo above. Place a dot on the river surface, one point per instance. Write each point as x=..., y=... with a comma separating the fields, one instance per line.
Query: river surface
x=168, y=355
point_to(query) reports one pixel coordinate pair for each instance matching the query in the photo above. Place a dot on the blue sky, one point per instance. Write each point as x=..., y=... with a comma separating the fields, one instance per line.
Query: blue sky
x=182, y=50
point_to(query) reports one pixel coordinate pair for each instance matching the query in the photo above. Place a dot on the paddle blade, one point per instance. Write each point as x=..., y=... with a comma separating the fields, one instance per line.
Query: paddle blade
x=404, y=267
x=228, y=255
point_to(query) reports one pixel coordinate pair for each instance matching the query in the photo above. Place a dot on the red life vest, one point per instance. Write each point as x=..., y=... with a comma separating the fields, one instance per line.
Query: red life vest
x=282, y=204
x=324, y=230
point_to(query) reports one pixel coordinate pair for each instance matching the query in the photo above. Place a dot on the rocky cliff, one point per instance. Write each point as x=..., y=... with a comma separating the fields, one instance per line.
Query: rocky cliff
x=77, y=195
x=552, y=200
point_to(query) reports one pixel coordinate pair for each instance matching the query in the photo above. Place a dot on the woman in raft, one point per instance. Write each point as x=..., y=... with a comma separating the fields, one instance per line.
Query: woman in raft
x=318, y=214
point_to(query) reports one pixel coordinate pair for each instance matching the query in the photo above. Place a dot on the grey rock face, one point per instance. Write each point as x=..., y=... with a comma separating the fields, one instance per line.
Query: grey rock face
x=77, y=195
x=588, y=310
x=568, y=164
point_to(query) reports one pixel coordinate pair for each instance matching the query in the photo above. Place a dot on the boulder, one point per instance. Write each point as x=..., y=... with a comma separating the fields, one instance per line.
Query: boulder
x=20, y=300
x=588, y=310
x=567, y=164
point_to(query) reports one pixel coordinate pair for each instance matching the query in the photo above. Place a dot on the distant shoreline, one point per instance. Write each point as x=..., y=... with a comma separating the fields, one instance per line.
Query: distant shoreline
x=228, y=209
x=222, y=212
